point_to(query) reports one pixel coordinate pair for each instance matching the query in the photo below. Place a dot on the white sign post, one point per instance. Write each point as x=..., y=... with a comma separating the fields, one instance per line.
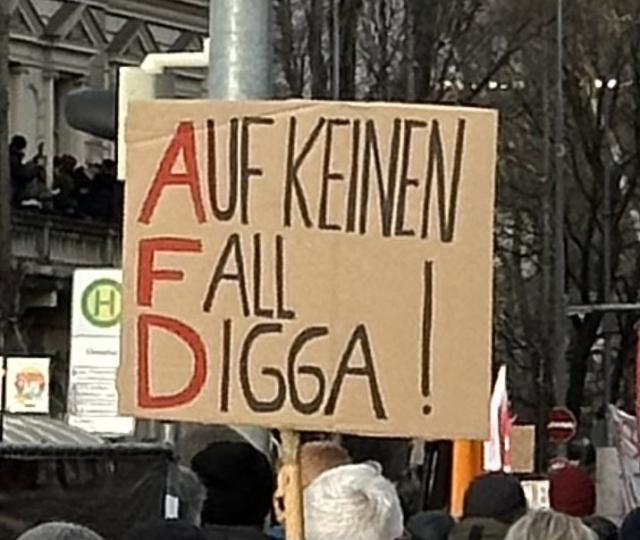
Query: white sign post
x=95, y=352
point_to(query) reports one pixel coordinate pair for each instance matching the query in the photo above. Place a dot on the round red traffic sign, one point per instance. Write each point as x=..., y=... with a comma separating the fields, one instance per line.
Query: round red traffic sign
x=562, y=425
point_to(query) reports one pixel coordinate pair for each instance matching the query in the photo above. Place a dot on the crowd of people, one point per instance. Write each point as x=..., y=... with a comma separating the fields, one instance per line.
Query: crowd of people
x=91, y=192
x=240, y=497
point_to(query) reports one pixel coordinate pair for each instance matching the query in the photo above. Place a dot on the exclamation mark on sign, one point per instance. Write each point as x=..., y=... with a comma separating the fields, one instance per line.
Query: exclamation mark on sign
x=427, y=330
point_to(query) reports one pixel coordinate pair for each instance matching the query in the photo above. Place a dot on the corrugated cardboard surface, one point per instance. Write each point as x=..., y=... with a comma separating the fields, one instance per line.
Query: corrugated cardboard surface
x=347, y=255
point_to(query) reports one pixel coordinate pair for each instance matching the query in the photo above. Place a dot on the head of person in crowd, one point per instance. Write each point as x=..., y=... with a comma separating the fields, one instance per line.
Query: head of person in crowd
x=582, y=453
x=550, y=525
x=316, y=457
x=572, y=492
x=59, y=531
x=67, y=164
x=191, y=494
x=352, y=502
x=430, y=526
x=239, y=484
x=409, y=487
x=604, y=528
x=491, y=505
x=630, y=528
x=497, y=496
x=169, y=529
x=110, y=168
x=18, y=146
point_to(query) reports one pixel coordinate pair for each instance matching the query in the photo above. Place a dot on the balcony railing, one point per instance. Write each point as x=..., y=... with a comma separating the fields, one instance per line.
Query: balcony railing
x=64, y=243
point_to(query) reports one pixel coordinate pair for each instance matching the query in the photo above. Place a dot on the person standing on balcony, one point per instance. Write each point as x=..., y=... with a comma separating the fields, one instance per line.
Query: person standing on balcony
x=20, y=176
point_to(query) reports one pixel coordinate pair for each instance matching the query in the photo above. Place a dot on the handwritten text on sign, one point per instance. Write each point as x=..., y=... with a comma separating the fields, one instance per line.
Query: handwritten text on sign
x=309, y=265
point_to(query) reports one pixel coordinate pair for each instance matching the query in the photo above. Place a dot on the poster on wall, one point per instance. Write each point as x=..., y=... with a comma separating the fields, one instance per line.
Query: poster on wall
x=27, y=385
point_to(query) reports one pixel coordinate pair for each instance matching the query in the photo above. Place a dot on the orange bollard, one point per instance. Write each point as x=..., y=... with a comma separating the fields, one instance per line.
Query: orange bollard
x=467, y=464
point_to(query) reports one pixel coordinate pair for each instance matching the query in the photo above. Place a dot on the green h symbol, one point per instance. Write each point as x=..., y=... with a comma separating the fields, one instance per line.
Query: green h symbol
x=102, y=301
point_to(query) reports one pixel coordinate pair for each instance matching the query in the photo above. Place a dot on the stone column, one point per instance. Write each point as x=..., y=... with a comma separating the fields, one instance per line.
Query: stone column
x=99, y=77
x=17, y=92
x=49, y=118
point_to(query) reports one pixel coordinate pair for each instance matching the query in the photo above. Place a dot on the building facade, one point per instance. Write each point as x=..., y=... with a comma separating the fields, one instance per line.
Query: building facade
x=57, y=46
x=60, y=45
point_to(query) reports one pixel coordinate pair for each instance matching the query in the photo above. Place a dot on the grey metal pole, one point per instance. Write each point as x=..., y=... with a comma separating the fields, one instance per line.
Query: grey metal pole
x=241, y=49
x=606, y=298
x=240, y=67
x=542, y=376
x=561, y=382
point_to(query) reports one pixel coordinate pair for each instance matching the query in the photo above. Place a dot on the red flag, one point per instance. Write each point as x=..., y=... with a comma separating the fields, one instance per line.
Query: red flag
x=497, y=450
x=506, y=422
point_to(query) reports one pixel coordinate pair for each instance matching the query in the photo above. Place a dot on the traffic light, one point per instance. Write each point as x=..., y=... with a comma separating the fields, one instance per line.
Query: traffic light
x=93, y=111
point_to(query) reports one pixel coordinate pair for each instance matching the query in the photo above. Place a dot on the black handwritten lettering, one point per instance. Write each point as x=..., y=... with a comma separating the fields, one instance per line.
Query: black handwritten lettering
x=427, y=331
x=226, y=366
x=258, y=310
x=301, y=340
x=294, y=163
x=386, y=193
x=283, y=312
x=246, y=170
x=255, y=404
x=436, y=166
x=405, y=181
x=220, y=213
x=353, y=180
x=358, y=338
x=232, y=251
x=328, y=175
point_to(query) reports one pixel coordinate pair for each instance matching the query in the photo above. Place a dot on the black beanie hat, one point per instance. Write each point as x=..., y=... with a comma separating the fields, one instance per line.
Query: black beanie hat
x=239, y=483
x=495, y=495
x=165, y=530
x=430, y=526
x=630, y=529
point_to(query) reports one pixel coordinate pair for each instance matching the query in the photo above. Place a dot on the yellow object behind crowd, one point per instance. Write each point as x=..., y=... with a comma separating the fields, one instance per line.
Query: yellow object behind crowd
x=467, y=464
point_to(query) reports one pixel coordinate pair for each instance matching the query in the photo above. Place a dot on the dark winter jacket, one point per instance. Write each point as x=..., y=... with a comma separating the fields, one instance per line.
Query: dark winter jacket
x=224, y=532
x=479, y=529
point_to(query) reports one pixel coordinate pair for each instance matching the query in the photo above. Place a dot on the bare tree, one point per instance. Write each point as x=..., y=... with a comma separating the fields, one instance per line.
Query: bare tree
x=496, y=53
x=427, y=50
x=602, y=150
x=315, y=21
x=602, y=97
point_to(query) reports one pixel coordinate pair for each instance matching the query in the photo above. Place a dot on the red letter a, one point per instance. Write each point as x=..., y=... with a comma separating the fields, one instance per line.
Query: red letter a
x=145, y=399
x=185, y=141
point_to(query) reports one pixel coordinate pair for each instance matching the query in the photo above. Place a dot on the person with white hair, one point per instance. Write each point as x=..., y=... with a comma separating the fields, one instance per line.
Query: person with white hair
x=352, y=502
x=549, y=525
x=59, y=531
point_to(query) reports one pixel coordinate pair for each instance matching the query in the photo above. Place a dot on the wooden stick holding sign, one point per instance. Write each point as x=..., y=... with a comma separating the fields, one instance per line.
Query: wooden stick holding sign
x=293, y=502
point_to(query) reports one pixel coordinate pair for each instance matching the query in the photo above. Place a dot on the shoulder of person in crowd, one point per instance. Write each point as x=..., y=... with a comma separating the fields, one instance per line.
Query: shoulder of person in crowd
x=228, y=532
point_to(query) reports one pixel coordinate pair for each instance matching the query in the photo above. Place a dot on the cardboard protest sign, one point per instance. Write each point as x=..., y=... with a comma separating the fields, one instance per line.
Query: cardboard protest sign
x=309, y=265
